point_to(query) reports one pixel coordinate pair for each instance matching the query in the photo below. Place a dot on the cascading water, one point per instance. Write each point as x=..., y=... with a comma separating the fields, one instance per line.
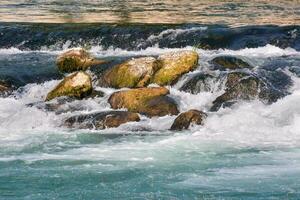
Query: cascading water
x=250, y=150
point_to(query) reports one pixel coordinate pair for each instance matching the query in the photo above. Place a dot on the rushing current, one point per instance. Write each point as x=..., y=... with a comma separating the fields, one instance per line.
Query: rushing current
x=247, y=151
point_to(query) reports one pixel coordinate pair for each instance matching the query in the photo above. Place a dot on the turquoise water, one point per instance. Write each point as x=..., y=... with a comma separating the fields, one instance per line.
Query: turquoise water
x=247, y=151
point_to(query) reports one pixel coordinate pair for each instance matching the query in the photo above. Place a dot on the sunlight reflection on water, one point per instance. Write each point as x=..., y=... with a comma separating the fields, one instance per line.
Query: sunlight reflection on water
x=235, y=12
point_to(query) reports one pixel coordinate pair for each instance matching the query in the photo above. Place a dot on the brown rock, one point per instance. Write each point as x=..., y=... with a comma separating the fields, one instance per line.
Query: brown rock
x=173, y=65
x=184, y=120
x=133, y=73
x=148, y=101
x=76, y=60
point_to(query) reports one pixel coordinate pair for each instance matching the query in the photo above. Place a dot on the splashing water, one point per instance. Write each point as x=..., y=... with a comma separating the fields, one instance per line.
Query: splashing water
x=247, y=151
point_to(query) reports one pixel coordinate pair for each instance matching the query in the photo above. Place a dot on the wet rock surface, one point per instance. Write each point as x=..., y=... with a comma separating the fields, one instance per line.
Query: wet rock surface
x=201, y=82
x=229, y=62
x=101, y=120
x=147, y=101
x=136, y=72
x=5, y=89
x=76, y=60
x=186, y=119
x=174, y=65
x=77, y=85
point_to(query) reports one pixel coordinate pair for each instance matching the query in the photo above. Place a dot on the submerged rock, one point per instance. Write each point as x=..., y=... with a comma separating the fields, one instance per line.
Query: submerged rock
x=173, y=65
x=101, y=120
x=78, y=85
x=200, y=82
x=184, y=120
x=147, y=101
x=76, y=60
x=136, y=72
x=229, y=62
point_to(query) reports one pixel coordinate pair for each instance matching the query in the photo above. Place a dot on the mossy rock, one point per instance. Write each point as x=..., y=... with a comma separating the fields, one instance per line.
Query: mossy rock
x=147, y=101
x=186, y=119
x=229, y=62
x=101, y=120
x=133, y=73
x=174, y=65
x=78, y=85
x=76, y=60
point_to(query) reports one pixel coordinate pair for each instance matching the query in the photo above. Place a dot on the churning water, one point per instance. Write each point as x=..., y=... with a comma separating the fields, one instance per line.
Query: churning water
x=247, y=151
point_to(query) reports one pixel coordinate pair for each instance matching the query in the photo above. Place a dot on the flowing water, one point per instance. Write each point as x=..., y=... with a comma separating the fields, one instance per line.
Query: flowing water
x=247, y=151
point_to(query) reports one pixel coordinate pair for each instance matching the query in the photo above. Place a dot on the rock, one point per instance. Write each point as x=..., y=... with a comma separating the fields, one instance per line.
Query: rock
x=76, y=60
x=173, y=65
x=101, y=120
x=229, y=62
x=200, y=83
x=184, y=120
x=78, y=85
x=147, y=101
x=5, y=89
x=133, y=73
x=246, y=88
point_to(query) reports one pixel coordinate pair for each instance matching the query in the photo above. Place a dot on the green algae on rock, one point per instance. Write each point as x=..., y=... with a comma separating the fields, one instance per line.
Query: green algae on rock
x=173, y=65
x=184, y=120
x=148, y=101
x=77, y=85
x=76, y=60
x=133, y=73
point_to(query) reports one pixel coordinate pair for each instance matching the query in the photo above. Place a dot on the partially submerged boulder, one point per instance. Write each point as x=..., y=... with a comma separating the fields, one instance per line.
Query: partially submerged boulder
x=76, y=60
x=101, y=120
x=184, y=120
x=78, y=85
x=173, y=65
x=201, y=82
x=147, y=101
x=133, y=73
x=239, y=87
x=229, y=62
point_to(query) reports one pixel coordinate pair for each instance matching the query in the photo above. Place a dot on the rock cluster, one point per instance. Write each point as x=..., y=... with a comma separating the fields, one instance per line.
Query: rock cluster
x=135, y=75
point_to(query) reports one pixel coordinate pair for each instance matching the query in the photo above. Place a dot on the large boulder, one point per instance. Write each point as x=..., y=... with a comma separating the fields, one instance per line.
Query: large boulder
x=101, y=120
x=78, y=85
x=147, y=101
x=184, y=120
x=229, y=62
x=173, y=65
x=133, y=73
x=76, y=60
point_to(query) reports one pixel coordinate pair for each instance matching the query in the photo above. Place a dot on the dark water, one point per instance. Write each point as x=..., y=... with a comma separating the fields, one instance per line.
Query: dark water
x=248, y=151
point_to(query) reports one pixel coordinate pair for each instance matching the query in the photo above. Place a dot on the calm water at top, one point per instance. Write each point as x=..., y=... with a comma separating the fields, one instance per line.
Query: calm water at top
x=234, y=12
